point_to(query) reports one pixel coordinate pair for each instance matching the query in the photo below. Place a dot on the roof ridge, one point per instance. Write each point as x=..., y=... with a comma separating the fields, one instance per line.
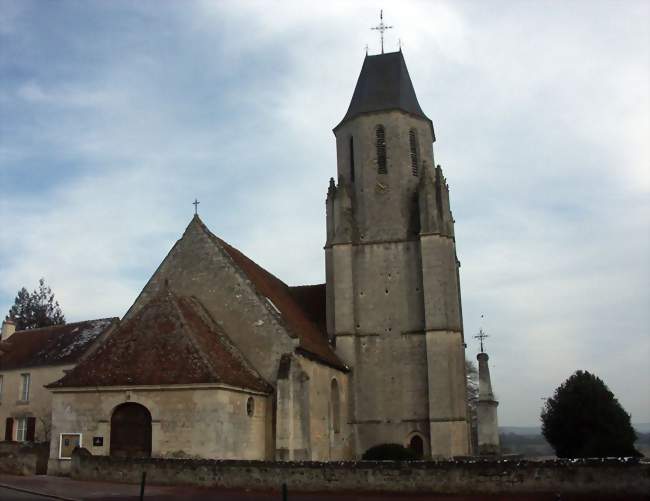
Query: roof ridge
x=67, y=324
x=222, y=242
x=220, y=332
x=188, y=328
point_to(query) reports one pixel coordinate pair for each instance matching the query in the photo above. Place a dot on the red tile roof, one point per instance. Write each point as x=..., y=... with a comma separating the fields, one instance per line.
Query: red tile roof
x=299, y=323
x=171, y=340
x=54, y=345
x=311, y=299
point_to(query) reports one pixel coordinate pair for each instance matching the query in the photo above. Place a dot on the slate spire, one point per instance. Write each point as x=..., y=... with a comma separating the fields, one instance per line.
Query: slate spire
x=384, y=84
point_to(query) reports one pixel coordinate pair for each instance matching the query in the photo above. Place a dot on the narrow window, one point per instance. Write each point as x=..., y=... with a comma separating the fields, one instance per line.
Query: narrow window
x=21, y=429
x=413, y=142
x=250, y=406
x=381, y=149
x=24, y=387
x=336, y=407
x=351, y=159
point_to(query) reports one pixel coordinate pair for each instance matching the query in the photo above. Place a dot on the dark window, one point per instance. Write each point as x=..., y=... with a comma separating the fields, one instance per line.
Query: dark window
x=9, y=429
x=381, y=149
x=413, y=142
x=30, y=433
x=250, y=406
x=351, y=159
x=336, y=407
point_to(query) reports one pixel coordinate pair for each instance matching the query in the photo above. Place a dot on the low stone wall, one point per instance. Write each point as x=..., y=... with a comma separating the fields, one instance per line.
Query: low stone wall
x=23, y=458
x=448, y=477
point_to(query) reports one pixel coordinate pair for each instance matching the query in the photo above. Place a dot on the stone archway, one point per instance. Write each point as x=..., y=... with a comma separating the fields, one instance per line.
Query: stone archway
x=416, y=444
x=131, y=431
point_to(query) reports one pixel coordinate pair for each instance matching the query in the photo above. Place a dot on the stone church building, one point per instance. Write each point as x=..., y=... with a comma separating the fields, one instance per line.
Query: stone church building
x=218, y=358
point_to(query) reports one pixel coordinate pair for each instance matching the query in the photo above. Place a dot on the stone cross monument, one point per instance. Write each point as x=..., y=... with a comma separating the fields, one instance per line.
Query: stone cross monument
x=488, y=426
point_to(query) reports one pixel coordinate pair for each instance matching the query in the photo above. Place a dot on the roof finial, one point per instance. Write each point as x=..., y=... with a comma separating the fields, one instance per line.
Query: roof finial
x=481, y=336
x=381, y=27
x=366, y=49
x=196, y=206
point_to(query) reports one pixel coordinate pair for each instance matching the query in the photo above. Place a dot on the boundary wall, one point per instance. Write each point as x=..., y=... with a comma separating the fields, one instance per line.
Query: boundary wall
x=24, y=458
x=466, y=476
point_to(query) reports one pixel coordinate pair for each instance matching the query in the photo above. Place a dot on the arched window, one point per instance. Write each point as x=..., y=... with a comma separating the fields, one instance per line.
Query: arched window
x=381, y=149
x=413, y=143
x=336, y=406
x=250, y=406
x=417, y=445
x=351, y=159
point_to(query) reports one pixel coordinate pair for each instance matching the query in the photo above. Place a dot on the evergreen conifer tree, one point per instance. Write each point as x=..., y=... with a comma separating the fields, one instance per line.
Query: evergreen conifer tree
x=36, y=309
x=584, y=419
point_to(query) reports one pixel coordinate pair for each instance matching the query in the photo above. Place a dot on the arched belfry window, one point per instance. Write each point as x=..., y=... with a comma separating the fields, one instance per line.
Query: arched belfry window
x=351, y=159
x=336, y=406
x=413, y=143
x=381, y=149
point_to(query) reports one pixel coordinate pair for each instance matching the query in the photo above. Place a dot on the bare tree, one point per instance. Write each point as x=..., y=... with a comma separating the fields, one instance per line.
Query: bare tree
x=471, y=375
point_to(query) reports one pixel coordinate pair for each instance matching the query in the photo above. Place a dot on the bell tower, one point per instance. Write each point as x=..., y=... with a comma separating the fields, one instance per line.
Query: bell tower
x=393, y=293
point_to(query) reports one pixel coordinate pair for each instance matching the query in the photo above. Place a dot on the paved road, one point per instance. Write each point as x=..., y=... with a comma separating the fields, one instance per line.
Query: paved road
x=10, y=494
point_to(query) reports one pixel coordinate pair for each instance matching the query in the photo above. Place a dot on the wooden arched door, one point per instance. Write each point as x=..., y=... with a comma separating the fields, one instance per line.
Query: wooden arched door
x=131, y=431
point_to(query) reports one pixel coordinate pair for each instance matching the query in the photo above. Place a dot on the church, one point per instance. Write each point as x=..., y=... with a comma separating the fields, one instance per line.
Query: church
x=218, y=358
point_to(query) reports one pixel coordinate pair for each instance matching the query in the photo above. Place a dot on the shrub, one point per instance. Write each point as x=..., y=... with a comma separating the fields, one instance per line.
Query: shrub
x=389, y=452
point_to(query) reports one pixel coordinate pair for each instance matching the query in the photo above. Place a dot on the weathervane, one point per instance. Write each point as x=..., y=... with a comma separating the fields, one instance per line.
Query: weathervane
x=481, y=336
x=381, y=27
x=196, y=206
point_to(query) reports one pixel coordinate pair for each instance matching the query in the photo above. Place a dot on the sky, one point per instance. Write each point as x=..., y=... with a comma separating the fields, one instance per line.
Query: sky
x=115, y=115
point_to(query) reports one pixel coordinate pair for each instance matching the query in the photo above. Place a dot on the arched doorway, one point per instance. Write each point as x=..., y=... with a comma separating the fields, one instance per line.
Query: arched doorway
x=131, y=431
x=416, y=444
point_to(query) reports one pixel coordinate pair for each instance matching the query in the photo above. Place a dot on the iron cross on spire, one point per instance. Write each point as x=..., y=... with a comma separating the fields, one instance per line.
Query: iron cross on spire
x=196, y=206
x=481, y=336
x=381, y=27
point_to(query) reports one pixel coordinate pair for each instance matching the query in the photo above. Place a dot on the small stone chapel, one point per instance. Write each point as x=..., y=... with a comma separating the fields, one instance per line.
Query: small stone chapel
x=218, y=358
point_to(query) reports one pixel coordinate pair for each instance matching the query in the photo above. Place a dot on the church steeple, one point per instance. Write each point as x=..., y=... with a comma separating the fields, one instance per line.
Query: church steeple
x=393, y=294
x=384, y=84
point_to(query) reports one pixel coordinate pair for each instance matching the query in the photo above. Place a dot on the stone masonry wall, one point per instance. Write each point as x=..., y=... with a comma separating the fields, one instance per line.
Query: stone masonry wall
x=22, y=458
x=453, y=477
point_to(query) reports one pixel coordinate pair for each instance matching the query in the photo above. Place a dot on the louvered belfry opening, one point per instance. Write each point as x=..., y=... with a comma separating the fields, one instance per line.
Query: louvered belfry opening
x=413, y=142
x=381, y=149
x=131, y=431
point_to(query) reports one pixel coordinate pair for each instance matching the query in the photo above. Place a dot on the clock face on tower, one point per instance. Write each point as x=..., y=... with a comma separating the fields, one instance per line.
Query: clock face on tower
x=381, y=187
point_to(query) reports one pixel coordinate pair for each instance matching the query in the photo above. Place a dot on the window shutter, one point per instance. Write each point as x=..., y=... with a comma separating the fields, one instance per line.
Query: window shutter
x=31, y=429
x=9, y=430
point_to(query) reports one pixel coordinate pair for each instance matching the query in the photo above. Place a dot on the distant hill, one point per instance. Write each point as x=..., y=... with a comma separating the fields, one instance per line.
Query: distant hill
x=642, y=427
x=528, y=440
x=521, y=430
x=537, y=430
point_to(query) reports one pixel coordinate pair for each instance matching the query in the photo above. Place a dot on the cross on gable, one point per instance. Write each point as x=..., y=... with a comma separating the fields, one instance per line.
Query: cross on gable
x=196, y=206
